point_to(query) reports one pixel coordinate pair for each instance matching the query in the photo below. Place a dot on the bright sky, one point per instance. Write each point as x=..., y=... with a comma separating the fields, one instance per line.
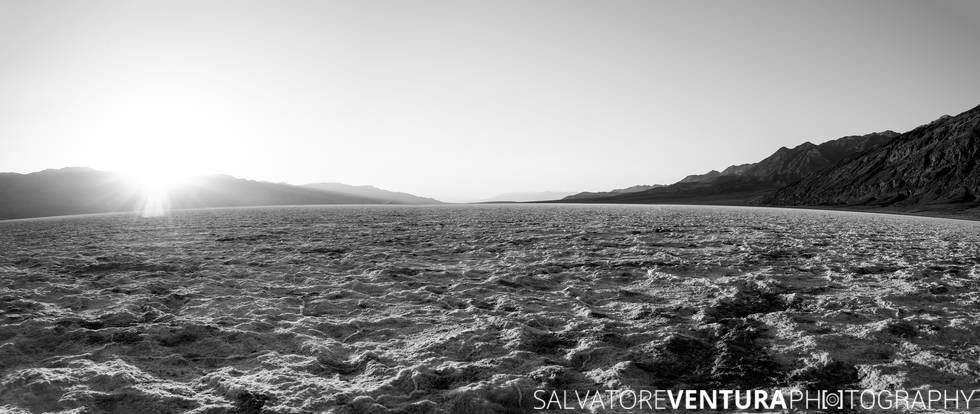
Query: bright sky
x=461, y=100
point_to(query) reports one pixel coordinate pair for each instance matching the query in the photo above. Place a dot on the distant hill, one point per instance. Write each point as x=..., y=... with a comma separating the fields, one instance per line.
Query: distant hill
x=725, y=190
x=934, y=166
x=79, y=190
x=373, y=192
x=228, y=191
x=750, y=183
x=73, y=190
x=525, y=197
x=633, y=189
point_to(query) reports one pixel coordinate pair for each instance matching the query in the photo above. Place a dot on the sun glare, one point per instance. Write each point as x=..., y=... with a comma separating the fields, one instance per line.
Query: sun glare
x=154, y=187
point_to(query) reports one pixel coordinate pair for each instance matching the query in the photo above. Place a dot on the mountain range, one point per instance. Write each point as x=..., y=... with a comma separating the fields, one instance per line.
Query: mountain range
x=930, y=169
x=79, y=190
x=526, y=197
x=747, y=183
x=367, y=191
x=618, y=191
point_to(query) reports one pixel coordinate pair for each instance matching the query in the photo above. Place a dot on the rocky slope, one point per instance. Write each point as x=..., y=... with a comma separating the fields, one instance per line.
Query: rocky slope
x=714, y=174
x=750, y=183
x=788, y=165
x=932, y=165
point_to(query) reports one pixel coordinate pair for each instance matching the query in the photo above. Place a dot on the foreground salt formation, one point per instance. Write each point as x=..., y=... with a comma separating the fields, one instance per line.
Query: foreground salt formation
x=471, y=309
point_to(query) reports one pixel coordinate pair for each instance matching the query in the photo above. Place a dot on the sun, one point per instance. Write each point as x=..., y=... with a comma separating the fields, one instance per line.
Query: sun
x=151, y=180
x=154, y=186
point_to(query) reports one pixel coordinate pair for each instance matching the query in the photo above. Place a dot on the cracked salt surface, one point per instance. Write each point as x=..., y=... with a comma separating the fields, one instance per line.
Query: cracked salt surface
x=472, y=308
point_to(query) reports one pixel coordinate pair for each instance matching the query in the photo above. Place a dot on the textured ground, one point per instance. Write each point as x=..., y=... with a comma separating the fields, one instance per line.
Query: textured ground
x=469, y=309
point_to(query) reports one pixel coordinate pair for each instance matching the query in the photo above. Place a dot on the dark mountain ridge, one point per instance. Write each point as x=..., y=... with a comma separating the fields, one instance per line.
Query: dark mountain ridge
x=373, y=192
x=73, y=190
x=79, y=190
x=934, y=164
x=627, y=190
x=788, y=165
x=751, y=183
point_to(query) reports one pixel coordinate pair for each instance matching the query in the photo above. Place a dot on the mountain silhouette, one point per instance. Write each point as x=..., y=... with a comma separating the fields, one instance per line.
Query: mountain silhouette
x=749, y=183
x=618, y=191
x=932, y=166
x=526, y=197
x=392, y=197
x=79, y=190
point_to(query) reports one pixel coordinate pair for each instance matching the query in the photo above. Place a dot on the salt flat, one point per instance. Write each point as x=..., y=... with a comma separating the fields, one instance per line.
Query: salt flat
x=472, y=308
